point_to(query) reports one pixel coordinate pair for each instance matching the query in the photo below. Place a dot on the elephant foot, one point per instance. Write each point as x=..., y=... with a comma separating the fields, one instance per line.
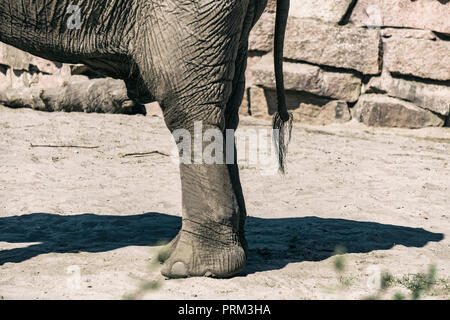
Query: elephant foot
x=194, y=256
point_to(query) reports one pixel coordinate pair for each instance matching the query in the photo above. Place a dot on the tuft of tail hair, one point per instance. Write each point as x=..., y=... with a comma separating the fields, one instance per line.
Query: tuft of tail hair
x=282, y=120
x=281, y=138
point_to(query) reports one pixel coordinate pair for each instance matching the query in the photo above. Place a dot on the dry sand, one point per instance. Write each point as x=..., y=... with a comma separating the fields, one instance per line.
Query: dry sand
x=69, y=214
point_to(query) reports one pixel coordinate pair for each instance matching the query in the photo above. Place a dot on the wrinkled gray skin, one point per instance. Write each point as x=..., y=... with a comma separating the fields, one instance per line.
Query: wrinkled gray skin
x=188, y=55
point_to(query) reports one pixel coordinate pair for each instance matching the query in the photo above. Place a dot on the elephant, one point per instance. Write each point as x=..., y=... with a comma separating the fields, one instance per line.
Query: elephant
x=190, y=56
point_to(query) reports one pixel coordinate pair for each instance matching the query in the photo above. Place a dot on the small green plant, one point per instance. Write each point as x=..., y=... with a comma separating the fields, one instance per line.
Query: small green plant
x=347, y=281
x=340, y=264
x=419, y=283
x=387, y=280
x=398, y=296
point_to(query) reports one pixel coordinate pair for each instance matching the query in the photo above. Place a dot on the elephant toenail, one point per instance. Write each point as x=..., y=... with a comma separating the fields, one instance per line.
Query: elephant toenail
x=179, y=269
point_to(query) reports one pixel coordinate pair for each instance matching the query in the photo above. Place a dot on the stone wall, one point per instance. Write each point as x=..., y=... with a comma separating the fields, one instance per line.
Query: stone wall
x=382, y=62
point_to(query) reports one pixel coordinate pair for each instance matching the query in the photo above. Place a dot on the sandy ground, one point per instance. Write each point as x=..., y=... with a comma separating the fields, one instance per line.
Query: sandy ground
x=79, y=223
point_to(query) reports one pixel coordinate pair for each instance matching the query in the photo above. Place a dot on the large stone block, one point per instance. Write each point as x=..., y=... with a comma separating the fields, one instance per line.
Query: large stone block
x=419, y=58
x=309, y=78
x=14, y=58
x=433, y=97
x=19, y=60
x=259, y=104
x=18, y=79
x=305, y=107
x=252, y=61
x=79, y=94
x=335, y=111
x=153, y=109
x=22, y=78
x=262, y=35
x=383, y=111
x=335, y=46
x=49, y=67
x=325, y=10
x=244, y=108
x=419, y=14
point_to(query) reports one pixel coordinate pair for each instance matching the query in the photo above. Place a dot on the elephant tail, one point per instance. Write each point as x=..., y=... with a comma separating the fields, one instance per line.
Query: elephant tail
x=282, y=120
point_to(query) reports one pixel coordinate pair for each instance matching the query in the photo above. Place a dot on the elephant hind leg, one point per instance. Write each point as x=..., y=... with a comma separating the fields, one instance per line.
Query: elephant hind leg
x=195, y=74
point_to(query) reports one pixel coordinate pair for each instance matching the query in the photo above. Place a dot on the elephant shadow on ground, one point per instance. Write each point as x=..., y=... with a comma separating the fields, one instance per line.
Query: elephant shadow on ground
x=273, y=242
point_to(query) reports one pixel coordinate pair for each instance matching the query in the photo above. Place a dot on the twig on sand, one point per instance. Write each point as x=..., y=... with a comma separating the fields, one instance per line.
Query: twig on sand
x=62, y=146
x=142, y=154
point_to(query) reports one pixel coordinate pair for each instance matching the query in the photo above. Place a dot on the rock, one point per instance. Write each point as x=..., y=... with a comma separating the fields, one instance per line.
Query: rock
x=333, y=112
x=262, y=35
x=4, y=78
x=14, y=58
x=81, y=69
x=341, y=86
x=383, y=111
x=32, y=82
x=25, y=79
x=326, y=10
x=306, y=108
x=433, y=97
x=309, y=78
x=244, y=109
x=50, y=81
x=78, y=78
x=259, y=105
x=421, y=14
x=271, y=6
x=263, y=102
x=46, y=66
x=19, y=60
x=153, y=109
x=21, y=78
x=335, y=46
x=96, y=95
x=252, y=61
x=23, y=98
x=408, y=33
x=419, y=58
